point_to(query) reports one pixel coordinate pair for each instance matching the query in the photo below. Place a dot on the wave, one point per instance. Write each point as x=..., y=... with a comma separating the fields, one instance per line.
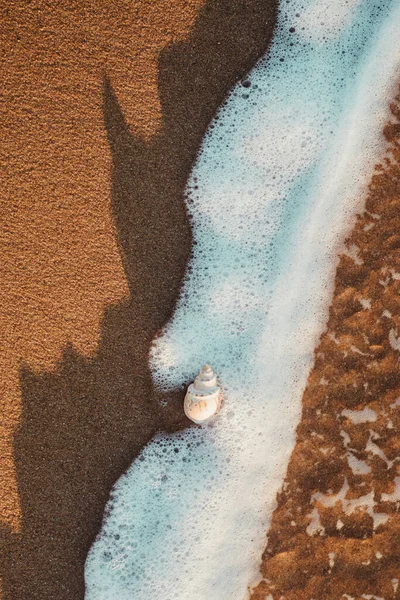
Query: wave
x=282, y=171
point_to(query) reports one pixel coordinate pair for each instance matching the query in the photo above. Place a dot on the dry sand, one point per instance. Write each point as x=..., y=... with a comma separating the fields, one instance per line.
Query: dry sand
x=104, y=105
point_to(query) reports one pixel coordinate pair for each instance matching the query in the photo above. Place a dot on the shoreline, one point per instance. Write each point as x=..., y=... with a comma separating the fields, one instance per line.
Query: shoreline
x=82, y=416
x=336, y=526
x=69, y=413
x=133, y=488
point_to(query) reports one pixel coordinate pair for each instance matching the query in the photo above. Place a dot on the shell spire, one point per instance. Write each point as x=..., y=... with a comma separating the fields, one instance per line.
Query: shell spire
x=203, y=396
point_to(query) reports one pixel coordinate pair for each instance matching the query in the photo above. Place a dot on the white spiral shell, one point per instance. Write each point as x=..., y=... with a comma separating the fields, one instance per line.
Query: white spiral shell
x=203, y=397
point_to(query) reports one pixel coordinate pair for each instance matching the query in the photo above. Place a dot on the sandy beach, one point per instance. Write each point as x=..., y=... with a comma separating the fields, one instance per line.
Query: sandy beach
x=104, y=108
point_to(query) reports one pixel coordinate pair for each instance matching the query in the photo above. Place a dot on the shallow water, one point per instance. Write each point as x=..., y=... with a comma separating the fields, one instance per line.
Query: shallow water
x=282, y=172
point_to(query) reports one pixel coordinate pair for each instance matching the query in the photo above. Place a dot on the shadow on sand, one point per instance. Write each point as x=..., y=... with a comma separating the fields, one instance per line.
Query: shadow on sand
x=82, y=426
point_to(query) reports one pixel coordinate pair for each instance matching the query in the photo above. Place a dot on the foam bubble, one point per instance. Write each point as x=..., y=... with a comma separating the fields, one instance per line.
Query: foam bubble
x=318, y=21
x=278, y=179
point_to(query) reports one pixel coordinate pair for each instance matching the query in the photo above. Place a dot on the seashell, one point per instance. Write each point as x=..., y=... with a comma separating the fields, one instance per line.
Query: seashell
x=203, y=396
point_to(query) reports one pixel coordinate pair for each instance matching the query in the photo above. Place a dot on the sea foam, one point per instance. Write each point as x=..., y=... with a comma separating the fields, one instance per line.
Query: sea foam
x=281, y=173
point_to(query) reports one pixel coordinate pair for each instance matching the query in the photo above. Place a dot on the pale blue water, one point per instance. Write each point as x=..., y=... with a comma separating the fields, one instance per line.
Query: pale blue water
x=279, y=178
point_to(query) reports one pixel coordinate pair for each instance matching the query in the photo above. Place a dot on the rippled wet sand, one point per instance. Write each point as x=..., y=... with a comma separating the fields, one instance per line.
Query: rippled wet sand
x=336, y=529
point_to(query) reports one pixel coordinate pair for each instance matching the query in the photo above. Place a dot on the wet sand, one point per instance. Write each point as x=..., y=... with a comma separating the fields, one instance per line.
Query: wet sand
x=104, y=108
x=315, y=549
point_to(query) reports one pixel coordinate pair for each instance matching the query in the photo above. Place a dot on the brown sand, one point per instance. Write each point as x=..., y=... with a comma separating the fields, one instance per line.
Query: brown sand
x=60, y=262
x=356, y=366
x=76, y=389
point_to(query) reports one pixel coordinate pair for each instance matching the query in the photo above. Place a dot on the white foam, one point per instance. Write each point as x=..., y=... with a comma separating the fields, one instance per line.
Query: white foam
x=373, y=448
x=394, y=340
x=353, y=253
x=396, y=403
x=366, y=415
x=315, y=526
x=366, y=303
x=359, y=467
x=349, y=506
x=318, y=21
x=395, y=495
x=280, y=175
